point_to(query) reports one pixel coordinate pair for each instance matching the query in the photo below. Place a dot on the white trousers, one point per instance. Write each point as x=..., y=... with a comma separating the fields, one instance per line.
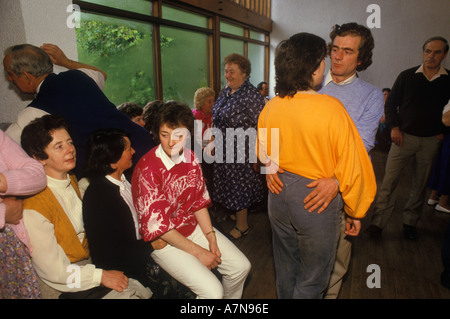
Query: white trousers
x=188, y=270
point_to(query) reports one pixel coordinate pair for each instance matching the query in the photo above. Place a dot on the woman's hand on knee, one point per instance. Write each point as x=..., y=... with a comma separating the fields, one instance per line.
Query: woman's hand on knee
x=208, y=258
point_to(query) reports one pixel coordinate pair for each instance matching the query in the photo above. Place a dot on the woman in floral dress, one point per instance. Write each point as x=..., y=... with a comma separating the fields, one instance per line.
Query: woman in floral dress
x=237, y=185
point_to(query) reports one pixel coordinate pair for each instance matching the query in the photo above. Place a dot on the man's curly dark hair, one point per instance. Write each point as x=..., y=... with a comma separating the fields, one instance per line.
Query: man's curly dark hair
x=365, y=47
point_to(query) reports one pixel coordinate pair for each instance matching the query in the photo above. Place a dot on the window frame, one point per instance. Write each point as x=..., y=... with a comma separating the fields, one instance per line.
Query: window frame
x=212, y=31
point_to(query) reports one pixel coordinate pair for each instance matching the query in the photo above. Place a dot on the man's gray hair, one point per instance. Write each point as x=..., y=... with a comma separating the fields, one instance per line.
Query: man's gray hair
x=437, y=38
x=29, y=58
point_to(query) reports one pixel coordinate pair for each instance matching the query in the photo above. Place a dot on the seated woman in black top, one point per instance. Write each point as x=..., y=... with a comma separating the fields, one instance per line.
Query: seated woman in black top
x=111, y=222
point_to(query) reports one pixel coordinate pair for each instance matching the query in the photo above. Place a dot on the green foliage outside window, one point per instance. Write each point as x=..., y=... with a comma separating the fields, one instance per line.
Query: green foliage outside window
x=103, y=40
x=125, y=54
x=140, y=92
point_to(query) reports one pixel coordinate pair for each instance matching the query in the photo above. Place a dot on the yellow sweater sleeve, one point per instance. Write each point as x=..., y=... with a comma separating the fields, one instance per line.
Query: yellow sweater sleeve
x=354, y=171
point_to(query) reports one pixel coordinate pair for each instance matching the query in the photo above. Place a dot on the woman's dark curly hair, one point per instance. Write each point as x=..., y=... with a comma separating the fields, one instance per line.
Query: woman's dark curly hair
x=296, y=59
x=365, y=47
x=37, y=135
x=151, y=110
x=174, y=114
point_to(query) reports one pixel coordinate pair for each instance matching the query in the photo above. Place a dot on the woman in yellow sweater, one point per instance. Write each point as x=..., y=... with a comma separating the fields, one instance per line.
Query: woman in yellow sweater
x=310, y=136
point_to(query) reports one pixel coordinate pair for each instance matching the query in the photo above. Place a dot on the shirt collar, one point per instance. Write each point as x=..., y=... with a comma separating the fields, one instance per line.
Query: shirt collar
x=329, y=78
x=446, y=108
x=441, y=71
x=39, y=86
x=245, y=84
x=120, y=183
x=168, y=161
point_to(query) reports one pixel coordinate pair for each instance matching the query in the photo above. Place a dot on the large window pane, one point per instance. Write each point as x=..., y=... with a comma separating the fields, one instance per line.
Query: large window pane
x=256, y=57
x=123, y=49
x=138, y=6
x=227, y=47
x=184, y=64
x=171, y=13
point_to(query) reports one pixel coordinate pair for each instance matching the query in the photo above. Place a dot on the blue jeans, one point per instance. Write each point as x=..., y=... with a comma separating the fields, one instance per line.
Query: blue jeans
x=304, y=244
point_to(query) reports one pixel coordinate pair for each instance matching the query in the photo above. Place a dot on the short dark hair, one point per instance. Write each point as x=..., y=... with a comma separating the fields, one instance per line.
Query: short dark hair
x=296, y=59
x=260, y=85
x=365, y=47
x=241, y=61
x=103, y=148
x=437, y=38
x=37, y=135
x=151, y=110
x=130, y=109
x=174, y=114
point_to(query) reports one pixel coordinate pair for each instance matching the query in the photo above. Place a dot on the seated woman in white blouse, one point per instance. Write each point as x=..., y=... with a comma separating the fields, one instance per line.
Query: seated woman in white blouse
x=54, y=222
x=111, y=221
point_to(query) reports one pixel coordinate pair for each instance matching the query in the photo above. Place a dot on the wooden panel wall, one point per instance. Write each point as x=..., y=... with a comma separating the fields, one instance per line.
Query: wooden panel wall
x=254, y=13
x=261, y=7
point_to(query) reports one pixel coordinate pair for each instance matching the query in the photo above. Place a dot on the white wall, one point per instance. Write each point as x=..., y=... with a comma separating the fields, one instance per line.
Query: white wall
x=35, y=22
x=405, y=25
x=12, y=31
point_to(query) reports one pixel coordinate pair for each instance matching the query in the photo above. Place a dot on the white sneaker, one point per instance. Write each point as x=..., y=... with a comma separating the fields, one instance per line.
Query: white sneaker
x=432, y=202
x=441, y=209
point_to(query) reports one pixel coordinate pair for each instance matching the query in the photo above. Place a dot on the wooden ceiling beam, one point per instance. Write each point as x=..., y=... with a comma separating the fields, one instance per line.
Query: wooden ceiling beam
x=231, y=10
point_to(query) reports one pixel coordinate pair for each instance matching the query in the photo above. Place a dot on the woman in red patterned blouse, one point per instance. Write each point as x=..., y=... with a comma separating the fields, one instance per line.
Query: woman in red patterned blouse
x=171, y=199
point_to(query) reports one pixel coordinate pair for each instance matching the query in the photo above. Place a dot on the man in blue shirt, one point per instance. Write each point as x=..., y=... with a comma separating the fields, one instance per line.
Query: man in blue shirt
x=351, y=51
x=363, y=101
